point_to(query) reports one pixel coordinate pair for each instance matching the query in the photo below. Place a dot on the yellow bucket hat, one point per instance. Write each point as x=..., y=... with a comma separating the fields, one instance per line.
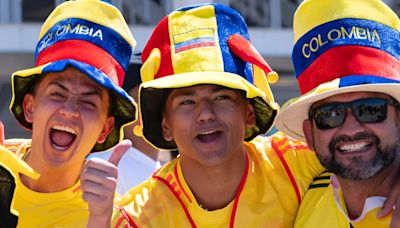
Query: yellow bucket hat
x=93, y=37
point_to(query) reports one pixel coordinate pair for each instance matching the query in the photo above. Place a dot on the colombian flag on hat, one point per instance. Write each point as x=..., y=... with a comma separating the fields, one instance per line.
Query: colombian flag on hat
x=202, y=44
x=341, y=46
x=93, y=37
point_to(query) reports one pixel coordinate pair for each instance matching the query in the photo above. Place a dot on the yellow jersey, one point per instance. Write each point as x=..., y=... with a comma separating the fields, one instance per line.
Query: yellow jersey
x=35, y=209
x=324, y=206
x=278, y=172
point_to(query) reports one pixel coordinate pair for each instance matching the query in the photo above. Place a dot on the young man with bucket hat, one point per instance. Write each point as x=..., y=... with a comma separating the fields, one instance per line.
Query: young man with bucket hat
x=73, y=102
x=205, y=93
x=346, y=59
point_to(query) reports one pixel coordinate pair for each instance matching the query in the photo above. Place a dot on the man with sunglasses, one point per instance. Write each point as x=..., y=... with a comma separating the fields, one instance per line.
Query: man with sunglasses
x=346, y=59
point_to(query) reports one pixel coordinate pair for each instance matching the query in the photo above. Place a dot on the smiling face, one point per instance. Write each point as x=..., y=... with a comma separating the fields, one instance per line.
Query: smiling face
x=69, y=115
x=207, y=122
x=354, y=150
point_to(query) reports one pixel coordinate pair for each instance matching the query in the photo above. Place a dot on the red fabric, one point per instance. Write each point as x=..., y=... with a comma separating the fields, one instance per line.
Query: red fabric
x=86, y=52
x=345, y=61
x=288, y=171
x=178, y=198
x=247, y=52
x=157, y=42
x=1, y=133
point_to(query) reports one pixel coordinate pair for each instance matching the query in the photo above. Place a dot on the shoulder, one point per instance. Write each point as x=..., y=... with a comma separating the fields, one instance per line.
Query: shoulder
x=317, y=204
x=13, y=164
x=279, y=145
x=18, y=146
x=150, y=187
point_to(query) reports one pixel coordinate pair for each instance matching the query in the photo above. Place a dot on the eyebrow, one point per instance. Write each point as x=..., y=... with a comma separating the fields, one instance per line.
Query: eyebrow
x=92, y=92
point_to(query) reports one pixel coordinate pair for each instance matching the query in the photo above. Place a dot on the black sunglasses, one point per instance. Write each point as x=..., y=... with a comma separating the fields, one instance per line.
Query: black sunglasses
x=365, y=110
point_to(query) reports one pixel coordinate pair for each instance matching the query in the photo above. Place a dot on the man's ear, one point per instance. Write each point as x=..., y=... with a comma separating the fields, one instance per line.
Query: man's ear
x=166, y=130
x=107, y=128
x=251, y=116
x=27, y=105
x=308, y=133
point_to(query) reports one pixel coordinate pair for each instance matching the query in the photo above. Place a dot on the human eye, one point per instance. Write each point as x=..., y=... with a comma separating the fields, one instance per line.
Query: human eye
x=57, y=94
x=186, y=102
x=89, y=103
x=223, y=97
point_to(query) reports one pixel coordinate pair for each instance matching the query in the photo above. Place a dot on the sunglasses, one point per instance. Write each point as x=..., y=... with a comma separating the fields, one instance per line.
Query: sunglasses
x=365, y=110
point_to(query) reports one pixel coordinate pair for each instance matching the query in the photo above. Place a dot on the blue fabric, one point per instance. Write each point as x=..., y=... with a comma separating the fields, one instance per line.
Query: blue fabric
x=92, y=72
x=389, y=40
x=186, y=8
x=364, y=79
x=112, y=42
x=227, y=16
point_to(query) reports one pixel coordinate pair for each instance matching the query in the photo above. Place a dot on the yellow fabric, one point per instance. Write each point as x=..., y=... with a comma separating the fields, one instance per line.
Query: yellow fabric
x=92, y=10
x=214, y=78
x=372, y=10
x=195, y=23
x=15, y=166
x=268, y=198
x=151, y=66
x=59, y=209
x=318, y=209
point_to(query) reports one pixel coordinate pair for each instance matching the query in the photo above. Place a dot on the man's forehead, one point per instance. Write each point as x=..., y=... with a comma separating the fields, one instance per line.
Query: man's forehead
x=73, y=76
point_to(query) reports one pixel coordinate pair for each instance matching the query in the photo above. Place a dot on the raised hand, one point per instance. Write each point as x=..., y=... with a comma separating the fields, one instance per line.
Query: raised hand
x=98, y=183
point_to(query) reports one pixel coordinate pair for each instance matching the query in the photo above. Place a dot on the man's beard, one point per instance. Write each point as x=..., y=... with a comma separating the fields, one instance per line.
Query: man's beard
x=360, y=169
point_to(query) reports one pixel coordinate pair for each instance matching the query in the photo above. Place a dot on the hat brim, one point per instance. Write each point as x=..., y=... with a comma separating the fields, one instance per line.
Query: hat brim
x=295, y=111
x=153, y=96
x=123, y=106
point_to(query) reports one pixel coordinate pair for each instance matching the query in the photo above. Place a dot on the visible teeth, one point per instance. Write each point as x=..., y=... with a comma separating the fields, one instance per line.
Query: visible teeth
x=207, y=132
x=64, y=128
x=353, y=147
x=60, y=147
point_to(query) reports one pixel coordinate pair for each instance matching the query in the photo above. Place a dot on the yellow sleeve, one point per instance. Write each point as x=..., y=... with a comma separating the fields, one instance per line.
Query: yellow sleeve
x=301, y=161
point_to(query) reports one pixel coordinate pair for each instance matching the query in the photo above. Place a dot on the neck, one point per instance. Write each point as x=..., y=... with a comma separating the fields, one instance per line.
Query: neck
x=52, y=179
x=356, y=192
x=214, y=187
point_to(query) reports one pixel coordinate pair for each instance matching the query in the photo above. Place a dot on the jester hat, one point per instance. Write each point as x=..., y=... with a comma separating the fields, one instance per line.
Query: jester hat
x=202, y=44
x=341, y=46
x=93, y=37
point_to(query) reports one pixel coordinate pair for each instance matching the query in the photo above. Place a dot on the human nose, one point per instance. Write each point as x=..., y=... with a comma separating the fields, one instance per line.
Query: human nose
x=351, y=125
x=70, y=108
x=205, y=112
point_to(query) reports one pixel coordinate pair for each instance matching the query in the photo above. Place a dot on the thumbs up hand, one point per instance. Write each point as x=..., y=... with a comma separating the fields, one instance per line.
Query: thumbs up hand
x=98, y=183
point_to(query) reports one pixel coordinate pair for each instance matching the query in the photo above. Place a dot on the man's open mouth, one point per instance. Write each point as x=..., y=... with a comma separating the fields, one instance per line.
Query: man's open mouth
x=62, y=136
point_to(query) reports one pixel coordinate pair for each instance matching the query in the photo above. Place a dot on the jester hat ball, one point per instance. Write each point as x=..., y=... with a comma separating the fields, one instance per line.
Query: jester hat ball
x=93, y=37
x=202, y=44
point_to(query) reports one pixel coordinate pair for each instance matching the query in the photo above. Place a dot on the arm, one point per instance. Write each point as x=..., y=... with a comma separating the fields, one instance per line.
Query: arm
x=98, y=183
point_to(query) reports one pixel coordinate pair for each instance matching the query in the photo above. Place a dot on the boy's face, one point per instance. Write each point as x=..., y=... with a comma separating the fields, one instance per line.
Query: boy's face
x=69, y=115
x=207, y=122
